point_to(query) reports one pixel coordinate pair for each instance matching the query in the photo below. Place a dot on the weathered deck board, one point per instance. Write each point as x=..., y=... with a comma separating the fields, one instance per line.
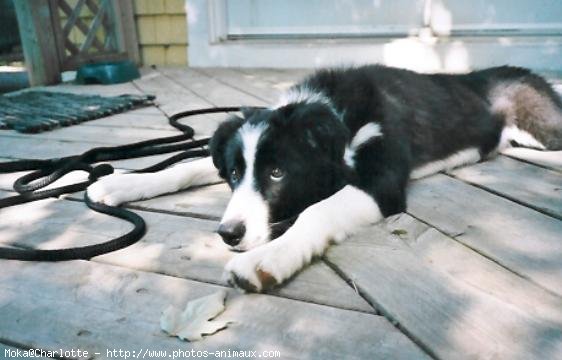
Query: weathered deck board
x=33, y=148
x=96, y=307
x=177, y=246
x=103, y=90
x=548, y=159
x=94, y=134
x=448, y=297
x=533, y=186
x=210, y=89
x=147, y=118
x=282, y=78
x=208, y=201
x=213, y=91
x=522, y=239
x=173, y=98
x=249, y=83
x=204, y=125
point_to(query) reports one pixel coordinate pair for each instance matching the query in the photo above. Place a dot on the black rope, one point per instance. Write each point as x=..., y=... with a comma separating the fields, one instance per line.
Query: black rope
x=45, y=172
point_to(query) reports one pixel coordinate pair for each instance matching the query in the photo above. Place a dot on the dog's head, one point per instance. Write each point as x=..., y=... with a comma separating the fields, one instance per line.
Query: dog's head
x=277, y=163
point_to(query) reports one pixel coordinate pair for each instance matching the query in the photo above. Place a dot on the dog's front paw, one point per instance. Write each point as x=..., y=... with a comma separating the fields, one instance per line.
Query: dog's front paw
x=250, y=273
x=116, y=189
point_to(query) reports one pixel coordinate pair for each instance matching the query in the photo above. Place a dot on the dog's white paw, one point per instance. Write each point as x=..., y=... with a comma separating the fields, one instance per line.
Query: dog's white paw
x=256, y=270
x=116, y=189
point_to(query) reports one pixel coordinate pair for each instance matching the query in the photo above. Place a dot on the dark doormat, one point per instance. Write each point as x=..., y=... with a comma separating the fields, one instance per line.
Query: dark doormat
x=37, y=111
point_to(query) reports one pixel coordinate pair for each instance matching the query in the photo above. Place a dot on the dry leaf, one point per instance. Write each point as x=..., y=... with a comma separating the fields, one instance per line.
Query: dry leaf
x=196, y=320
x=399, y=232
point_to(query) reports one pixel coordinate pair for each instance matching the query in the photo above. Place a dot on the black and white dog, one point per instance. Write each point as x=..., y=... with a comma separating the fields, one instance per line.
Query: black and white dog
x=338, y=151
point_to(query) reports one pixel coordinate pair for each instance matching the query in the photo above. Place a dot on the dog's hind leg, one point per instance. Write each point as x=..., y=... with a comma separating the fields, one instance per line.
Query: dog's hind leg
x=532, y=112
x=116, y=189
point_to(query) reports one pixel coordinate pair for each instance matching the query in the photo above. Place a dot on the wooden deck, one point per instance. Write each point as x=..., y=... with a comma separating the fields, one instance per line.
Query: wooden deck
x=472, y=271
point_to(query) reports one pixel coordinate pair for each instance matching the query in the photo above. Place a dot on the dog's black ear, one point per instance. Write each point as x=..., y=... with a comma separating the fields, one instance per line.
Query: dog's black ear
x=220, y=138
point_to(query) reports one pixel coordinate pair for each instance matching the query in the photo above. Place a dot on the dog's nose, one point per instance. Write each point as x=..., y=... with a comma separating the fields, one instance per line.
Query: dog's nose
x=232, y=232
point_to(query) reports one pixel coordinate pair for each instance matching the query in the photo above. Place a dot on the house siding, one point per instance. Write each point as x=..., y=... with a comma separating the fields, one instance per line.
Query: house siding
x=162, y=31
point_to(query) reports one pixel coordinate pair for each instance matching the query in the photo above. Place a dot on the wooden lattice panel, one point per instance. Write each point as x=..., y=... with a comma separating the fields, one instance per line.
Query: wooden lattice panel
x=59, y=35
x=86, y=31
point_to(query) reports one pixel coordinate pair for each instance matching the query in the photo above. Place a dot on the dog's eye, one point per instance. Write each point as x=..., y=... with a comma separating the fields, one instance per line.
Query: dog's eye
x=276, y=174
x=234, y=176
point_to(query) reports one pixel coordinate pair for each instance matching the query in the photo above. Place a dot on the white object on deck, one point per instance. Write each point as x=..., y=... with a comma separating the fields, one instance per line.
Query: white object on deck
x=197, y=318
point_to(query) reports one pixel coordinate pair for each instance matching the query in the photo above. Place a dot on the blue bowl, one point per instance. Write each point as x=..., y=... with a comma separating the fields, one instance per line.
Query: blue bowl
x=107, y=73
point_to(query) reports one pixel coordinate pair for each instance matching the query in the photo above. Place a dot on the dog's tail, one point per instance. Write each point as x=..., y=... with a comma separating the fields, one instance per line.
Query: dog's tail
x=530, y=107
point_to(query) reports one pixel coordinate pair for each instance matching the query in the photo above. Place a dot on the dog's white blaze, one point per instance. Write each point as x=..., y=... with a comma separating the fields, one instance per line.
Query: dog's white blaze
x=522, y=137
x=464, y=157
x=247, y=204
x=364, y=134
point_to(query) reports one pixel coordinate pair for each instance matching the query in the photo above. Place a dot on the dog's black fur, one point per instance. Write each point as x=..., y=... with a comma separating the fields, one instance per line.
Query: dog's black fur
x=422, y=117
x=337, y=154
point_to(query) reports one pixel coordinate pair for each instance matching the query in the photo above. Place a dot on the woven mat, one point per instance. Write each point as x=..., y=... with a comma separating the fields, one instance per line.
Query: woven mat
x=37, y=111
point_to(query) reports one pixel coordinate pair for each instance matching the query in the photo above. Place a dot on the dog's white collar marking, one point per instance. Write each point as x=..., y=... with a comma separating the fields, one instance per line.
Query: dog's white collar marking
x=247, y=204
x=364, y=134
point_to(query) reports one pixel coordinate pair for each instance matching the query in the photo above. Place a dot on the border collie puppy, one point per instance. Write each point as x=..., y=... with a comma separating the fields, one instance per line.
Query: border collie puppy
x=338, y=151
